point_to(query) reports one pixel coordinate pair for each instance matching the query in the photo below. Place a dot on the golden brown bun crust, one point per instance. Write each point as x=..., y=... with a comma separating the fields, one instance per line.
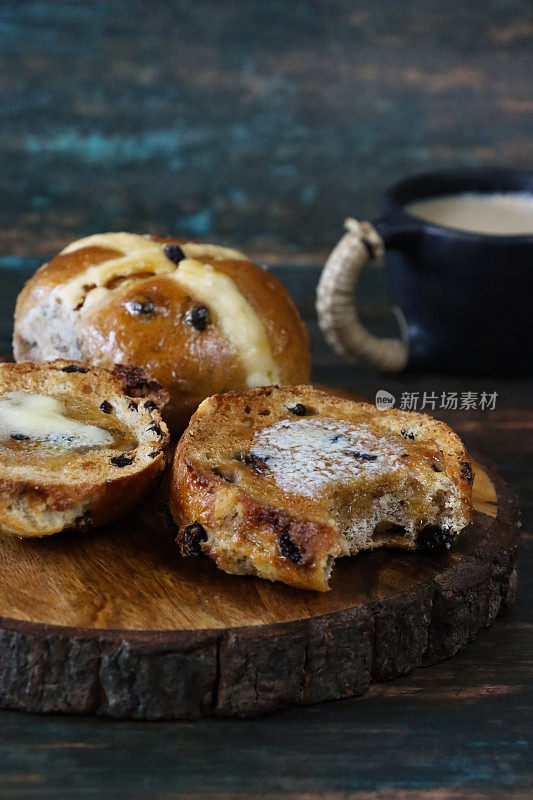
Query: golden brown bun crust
x=260, y=517
x=191, y=366
x=38, y=500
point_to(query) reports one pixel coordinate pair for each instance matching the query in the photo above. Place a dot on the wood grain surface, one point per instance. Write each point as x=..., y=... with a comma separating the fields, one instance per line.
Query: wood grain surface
x=127, y=577
x=114, y=623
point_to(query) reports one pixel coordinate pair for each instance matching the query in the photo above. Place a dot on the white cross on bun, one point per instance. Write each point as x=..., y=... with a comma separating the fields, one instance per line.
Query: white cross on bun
x=199, y=318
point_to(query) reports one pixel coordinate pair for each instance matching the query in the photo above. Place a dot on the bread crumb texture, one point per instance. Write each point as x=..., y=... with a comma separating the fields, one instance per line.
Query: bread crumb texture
x=76, y=449
x=283, y=481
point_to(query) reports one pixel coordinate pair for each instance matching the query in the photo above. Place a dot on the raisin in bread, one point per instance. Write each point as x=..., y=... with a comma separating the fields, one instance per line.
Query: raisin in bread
x=200, y=318
x=78, y=445
x=278, y=482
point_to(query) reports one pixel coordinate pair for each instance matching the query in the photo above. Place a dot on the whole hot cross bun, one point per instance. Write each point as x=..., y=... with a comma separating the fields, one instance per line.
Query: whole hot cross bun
x=201, y=319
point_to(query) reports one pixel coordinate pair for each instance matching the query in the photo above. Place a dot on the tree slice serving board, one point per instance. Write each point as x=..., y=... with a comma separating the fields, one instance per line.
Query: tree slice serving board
x=113, y=622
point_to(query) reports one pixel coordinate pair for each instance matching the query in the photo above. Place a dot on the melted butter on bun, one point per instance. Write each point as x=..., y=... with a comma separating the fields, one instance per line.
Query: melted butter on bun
x=24, y=415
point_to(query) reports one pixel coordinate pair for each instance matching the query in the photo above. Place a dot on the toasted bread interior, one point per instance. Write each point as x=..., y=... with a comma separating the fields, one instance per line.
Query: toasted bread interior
x=49, y=432
x=379, y=487
x=78, y=445
x=358, y=478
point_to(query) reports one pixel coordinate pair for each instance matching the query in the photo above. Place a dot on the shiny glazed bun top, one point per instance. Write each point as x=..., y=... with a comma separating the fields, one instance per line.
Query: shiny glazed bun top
x=201, y=319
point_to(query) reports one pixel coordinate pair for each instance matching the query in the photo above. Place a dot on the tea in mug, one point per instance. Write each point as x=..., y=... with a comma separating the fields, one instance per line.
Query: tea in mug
x=501, y=214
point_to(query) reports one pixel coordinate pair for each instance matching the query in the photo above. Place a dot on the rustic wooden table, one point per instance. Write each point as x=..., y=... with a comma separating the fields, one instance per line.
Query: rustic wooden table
x=262, y=125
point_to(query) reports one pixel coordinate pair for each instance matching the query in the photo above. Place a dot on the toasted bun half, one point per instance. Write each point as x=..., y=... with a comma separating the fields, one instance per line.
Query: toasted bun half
x=278, y=482
x=78, y=444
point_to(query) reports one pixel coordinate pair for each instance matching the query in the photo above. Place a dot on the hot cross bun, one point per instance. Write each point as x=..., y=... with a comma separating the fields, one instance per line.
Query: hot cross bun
x=279, y=482
x=78, y=445
x=201, y=319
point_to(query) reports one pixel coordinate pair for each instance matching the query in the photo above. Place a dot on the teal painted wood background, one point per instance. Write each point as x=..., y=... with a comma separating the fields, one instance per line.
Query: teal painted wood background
x=257, y=123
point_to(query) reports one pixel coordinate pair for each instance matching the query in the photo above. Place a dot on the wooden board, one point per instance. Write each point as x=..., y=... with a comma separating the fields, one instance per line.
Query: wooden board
x=112, y=622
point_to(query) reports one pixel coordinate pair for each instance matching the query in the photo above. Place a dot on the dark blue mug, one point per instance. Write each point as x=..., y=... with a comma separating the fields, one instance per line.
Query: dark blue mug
x=463, y=299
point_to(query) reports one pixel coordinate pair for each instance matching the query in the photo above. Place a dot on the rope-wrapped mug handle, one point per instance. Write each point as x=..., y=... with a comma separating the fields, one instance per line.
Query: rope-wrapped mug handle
x=336, y=304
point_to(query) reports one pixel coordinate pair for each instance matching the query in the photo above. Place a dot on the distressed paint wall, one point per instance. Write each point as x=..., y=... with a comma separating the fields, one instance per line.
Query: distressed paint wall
x=259, y=124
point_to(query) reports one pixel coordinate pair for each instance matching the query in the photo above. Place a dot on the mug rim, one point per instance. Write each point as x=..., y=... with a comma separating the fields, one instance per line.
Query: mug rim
x=483, y=180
